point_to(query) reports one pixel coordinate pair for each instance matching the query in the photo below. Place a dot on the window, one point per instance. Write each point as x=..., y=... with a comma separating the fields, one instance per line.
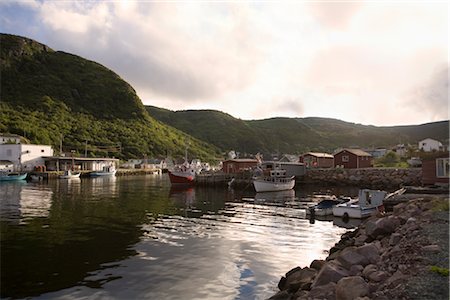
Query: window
x=42, y=151
x=442, y=167
x=345, y=158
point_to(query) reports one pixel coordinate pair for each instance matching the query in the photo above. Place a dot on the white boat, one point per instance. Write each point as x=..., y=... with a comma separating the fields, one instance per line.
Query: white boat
x=368, y=202
x=325, y=207
x=106, y=171
x=69, y=175
x=277, y=181
x=4, y=176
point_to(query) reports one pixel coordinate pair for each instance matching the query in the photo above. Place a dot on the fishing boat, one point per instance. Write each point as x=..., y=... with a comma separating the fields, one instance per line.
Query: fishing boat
x=69, y=175
x=368, y=203
x=12, y=176
x=325, y=207
x=276, y=181
x=106, y=171
x=182, y=175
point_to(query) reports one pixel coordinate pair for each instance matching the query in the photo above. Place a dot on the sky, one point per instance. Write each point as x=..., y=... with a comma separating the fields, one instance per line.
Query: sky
x=380, y=63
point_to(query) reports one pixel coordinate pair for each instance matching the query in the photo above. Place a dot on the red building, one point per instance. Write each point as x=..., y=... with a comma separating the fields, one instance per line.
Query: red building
x=353, y=159
x=317, y=160
x=238, y=165
x=436, y=170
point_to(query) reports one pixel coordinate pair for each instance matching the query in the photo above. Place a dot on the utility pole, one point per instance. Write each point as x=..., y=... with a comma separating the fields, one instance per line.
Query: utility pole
x=60, y=145
x=85, y=149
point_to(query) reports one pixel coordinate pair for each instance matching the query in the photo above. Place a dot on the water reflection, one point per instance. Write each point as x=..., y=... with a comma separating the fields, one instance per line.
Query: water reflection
x=100, y=235
x=20, y=201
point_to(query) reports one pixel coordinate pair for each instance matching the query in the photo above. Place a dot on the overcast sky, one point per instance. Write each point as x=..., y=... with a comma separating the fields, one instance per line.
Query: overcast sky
x=370, y=62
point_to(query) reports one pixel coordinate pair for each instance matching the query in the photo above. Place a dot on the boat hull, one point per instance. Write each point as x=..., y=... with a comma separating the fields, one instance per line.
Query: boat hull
x=353, y=211
x=13, y=177
x=101, y=173
x=181, y=177
x=70, y=176
x=272, y=186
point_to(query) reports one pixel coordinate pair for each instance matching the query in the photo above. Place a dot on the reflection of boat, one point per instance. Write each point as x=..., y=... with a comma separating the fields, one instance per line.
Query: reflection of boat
x=12, y=176
x=325, y=207
x=277, y=181
x=368, y=202
x=106, y=171
x=280, y=196
x=69, y=175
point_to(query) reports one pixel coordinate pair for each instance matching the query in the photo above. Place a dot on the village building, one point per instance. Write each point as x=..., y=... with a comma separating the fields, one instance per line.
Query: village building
x=24, y=157
x=429, y=145
x=62, y=163
x=317, y=160
x=9, y=139
x=436, y=170
x=292, y=168
x=352, y=159
x=238, y=165
x=289, y=158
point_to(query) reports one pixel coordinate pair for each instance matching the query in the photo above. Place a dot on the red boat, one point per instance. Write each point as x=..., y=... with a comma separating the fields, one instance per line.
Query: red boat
x=182, y=176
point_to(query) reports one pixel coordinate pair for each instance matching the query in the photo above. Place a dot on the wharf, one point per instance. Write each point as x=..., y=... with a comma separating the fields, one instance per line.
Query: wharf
x=120, y=172
x=222, y=179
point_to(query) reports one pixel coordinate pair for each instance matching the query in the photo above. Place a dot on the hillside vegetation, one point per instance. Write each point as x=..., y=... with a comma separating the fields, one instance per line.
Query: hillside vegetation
x=293, y=135
x=47, y=95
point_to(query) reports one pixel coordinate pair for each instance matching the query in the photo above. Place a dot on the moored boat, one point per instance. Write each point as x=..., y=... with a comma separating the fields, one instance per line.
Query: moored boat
x=13, y=176
x=106, y=171
x=276, y=181
x=324, y=207
x=69, y=175
x=182, y=175
x=368, y=203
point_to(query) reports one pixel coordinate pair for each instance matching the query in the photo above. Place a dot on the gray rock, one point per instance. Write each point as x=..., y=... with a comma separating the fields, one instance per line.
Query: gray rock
x=350, y=256
x=431, y=249
x=356, y=270
x=330, y=272
x=349, y=288
x=281, y=295
x=395, y=239
x=371, y=252
x=296, y=278
x=369, y=269
x=326, y=291
x=317, y=264
x=382, y=226
x=378, y=276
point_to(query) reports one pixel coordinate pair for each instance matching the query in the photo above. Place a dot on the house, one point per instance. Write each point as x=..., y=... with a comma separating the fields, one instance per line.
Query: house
x=429, y=145
x=25, y=157
x=292, y=168
x=317, y=160
x=353, y=159
x=289, y=158
x=9, y=139
x=238, y=165
x=436, y=170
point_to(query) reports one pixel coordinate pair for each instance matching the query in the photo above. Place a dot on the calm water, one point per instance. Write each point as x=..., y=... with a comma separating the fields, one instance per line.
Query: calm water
x=137, y=238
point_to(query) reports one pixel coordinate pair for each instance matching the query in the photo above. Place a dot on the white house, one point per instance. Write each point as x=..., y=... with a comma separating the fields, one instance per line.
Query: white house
x=9, y=139
x=25, y=157
x=429, y=145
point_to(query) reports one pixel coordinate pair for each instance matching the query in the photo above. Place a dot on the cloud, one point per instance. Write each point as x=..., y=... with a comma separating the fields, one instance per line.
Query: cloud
x=432, y=97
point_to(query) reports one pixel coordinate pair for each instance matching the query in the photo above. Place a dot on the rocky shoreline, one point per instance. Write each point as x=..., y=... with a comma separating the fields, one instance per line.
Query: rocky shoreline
x=398, y=255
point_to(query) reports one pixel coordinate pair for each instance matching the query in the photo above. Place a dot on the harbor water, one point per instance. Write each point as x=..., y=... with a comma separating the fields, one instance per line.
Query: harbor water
x=136, y=237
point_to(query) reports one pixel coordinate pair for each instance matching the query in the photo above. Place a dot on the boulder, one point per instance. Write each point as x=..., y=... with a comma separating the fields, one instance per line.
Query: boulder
x=330, y=272
x=369, y=269
x=350, y=256
x=395, y=239
x=351, y=287
x=326, y=291
x=281, y=295
x=317, y=264
x=371, y=252
x=382, y=226
x=295, y=278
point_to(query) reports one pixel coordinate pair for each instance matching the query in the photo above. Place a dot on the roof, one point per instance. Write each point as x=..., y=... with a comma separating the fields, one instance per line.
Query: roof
x=5, y=162
x=242, y=160
x=357, y=152
x=80, y=158
x=319, y=154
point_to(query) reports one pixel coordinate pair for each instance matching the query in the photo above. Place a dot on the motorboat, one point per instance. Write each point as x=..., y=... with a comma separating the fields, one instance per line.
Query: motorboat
x=276, y=181
x=4, y=176
x=182, y=175
x=106, y=171
x=325, y=207
x=368, y=203
x=69, y=175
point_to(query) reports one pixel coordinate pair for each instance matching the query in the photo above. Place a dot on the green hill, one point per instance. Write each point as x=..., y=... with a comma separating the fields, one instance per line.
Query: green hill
x=47, y=94
x=293, y=135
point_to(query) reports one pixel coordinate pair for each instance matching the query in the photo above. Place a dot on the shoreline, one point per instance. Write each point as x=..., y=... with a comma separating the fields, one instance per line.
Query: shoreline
x=403, y=254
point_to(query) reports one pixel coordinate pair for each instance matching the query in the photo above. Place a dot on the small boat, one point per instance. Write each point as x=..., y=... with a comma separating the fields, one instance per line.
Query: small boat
x=106, y=171
x=276, y=181
x=325, y=207
x=182, y=175
x=368, y=202
x=12, y=176
x=69, y=175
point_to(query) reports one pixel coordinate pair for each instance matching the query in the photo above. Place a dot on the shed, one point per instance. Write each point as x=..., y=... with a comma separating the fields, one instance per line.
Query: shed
x=436, y=170
x=353, y=159
x=238, y=165
x=429, y=145
x=317, y=160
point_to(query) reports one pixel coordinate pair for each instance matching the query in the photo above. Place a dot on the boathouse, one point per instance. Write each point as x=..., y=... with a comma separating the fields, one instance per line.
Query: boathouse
x=353, y=159
x=317, y=160
x=238, y=165
x=436, y=170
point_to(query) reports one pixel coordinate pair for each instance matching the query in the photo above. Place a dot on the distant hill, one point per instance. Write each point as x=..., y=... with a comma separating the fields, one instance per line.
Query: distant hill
x=293, y=135
x=47, y=94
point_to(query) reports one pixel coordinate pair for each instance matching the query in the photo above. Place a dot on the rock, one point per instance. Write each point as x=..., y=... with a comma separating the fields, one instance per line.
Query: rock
x=382, y=226
x=296, y=278
x=371, y=252
x=395, y=238
x=351, y=287
x=330, y=272
x=431, y=249
x=360, y=240
x=281, y=295
x=326, y=291
x=317, y=264
x=395, y=279
x=378, y=276
x=369, y=269
x=350, y=256
x=356, y=270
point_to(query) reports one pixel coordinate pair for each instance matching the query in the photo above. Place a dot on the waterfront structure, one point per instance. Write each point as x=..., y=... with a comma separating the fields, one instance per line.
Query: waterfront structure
x=9, y=139
x=436, y=170
x=292, y=169
x=353, y=159
x=429, y=145
x=59, y=163
x=317, y=160
x=238, y=165
x=25, y=157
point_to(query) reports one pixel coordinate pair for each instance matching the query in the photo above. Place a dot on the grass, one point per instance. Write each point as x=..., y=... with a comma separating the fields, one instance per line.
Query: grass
x=439, y=270
x=441, y=205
